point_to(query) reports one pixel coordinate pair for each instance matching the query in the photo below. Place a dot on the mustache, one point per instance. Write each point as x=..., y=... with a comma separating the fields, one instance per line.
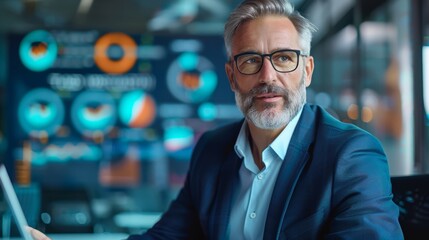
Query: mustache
x=264, y=89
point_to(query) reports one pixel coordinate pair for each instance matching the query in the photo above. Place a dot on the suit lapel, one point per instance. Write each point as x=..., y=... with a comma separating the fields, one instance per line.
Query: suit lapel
x=227, y=187
x=296, y=157
x=289, y=173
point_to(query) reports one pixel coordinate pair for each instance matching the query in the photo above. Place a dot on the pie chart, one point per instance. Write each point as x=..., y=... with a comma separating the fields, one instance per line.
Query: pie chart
x=93, y=111
x=137, y=109
x=40, y=111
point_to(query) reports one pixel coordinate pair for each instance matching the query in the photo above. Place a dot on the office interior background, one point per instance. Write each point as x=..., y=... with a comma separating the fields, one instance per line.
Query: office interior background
x=102, y=101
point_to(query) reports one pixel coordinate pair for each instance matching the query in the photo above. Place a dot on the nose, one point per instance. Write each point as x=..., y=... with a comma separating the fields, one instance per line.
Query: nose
x=267, y=73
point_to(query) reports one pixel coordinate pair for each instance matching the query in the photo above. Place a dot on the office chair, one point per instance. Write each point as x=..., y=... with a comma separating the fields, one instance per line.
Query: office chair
x=411, y=194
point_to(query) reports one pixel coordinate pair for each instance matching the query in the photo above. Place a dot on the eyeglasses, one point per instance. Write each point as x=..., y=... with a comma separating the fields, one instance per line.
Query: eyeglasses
x=285, y=60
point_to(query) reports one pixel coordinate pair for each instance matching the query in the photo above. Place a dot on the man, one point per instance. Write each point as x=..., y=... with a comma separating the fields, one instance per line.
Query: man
x=289, y=170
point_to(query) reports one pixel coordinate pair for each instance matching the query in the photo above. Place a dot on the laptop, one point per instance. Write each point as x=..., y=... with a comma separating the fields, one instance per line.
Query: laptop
x=12, y=200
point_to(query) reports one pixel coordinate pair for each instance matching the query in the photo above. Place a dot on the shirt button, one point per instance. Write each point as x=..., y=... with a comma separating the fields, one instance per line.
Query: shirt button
x=260, y=176
x=253, y=215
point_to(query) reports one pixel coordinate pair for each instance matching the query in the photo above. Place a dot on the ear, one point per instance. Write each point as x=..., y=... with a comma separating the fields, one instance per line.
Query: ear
x=309, y=68
x=230, y=74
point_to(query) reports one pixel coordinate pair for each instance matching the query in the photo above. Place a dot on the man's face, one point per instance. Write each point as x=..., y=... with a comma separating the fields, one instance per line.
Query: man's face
x=269, y=99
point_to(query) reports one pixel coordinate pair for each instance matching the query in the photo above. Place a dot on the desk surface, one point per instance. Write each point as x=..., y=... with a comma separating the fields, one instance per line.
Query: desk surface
x=95, y=236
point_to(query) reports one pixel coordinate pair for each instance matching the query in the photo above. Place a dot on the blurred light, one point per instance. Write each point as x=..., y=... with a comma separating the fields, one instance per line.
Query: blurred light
x=352, y=112
x=218, y=8
x=338, y=9
x=207, y=111
x=46, y=218
x=84, y=6
x=367, y=114
x=186, y=45
x=81, y=218
x=175, y=111
x=345, y=40
x=377, y=32
x=136, y=220
x=347, y=98
x=228, y=111
x=323, y=99
x=179, y=13
x=206, y=27
x=369, y=98
x=310, y=95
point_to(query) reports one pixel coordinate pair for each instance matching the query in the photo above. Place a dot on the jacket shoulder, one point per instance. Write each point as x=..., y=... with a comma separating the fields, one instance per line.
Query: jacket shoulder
x=327, y=122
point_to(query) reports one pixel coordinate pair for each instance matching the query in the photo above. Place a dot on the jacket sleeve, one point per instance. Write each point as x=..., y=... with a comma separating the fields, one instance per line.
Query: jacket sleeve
x=363, y=205
x=180, y=221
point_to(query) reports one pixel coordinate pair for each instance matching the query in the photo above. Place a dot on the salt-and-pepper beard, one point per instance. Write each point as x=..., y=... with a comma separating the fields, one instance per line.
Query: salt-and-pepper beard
x=294, y=99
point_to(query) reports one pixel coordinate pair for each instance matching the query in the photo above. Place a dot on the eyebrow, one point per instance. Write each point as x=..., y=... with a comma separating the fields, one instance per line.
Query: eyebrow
x=274, y=50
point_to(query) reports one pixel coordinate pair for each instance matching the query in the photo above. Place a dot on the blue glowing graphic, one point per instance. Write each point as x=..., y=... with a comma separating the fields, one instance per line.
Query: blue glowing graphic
x=191, y=78
x=178, y=141
x=93, y=111
x=41, y=111
x=66, y=153
x=38, y=50
x=207, y=112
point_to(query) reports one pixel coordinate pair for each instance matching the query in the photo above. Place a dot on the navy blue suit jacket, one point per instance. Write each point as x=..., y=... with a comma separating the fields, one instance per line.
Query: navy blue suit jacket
x=334, y=184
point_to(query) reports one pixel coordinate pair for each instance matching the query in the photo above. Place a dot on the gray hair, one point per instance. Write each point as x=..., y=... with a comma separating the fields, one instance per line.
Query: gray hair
x=253, y=9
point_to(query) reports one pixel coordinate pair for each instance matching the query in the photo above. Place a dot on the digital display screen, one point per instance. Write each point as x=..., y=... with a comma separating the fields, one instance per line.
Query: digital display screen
x=110, y=109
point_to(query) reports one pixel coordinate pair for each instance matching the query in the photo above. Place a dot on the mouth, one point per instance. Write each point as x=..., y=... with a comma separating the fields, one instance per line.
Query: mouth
x=268, y=97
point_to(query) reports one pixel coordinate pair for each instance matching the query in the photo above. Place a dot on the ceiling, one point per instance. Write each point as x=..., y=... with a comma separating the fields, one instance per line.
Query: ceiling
x=133, y=16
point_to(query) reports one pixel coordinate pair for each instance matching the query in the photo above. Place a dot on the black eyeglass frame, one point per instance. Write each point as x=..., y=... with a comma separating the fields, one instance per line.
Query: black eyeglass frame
x=269, y=55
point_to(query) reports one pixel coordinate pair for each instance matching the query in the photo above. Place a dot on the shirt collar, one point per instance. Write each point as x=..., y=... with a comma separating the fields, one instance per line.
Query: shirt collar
x=279, y=145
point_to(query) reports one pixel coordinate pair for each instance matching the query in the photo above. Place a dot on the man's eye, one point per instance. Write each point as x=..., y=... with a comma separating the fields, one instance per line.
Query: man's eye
x=283, y=58
x=251, y=60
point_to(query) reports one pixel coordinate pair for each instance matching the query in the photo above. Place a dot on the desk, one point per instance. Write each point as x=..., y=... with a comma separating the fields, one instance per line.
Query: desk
x=86, y=236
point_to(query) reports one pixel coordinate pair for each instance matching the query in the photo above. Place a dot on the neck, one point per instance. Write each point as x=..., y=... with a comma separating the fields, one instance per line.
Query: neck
x=259, y=140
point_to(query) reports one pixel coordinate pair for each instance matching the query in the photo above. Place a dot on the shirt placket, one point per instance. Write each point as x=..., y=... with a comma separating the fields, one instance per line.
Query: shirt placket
x=252, y=215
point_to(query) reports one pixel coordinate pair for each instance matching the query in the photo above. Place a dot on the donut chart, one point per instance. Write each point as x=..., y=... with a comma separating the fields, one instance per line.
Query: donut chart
x=137, y=109
x=115, y=53
x=191, y=78
x=40, y=112
x=38, y=50
x=93, y=111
